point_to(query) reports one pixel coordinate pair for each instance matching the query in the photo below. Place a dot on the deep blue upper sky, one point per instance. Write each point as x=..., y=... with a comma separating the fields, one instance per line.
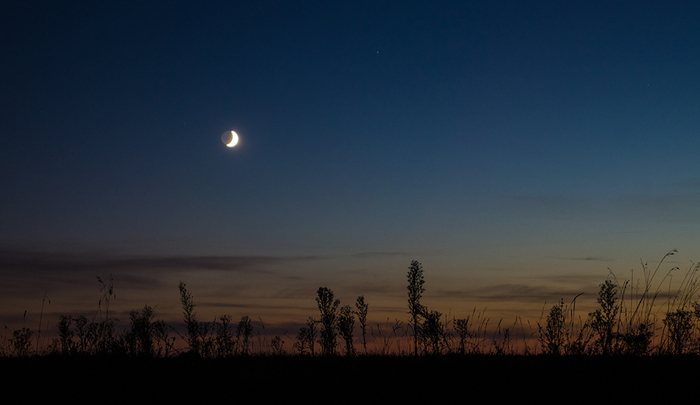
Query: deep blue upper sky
x=470, y=131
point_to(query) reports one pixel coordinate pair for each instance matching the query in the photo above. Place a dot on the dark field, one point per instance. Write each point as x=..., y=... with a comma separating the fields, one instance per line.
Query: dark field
x=372, y=379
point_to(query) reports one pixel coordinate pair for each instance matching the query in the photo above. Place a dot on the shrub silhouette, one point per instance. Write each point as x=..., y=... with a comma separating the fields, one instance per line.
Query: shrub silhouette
x=21, y=343
x=83, y=333
x=306, y=338
x=78, y=335
x=146, y=338
x=346, y=327
x=64, y=344
x=164, y=342
x=140, y=338
x=553, y=334
x=605, y=321
x=681, y=321
x=433, y=332
x=637, y=340
x=461, y=326
x=329, y=318
x=680, y=324
x=225, y=345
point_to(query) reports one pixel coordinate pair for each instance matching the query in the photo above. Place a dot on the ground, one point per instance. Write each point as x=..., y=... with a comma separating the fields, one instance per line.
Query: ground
x=351, y=380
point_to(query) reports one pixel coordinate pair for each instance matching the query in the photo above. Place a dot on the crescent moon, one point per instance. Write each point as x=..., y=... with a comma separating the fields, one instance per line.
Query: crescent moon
x=229, y=138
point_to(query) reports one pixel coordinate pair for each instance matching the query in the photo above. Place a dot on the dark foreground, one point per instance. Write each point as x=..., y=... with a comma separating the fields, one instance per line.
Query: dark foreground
x=450, y=379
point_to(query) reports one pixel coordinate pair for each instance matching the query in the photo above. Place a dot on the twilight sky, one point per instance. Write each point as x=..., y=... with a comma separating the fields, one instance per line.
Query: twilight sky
x=517, y=149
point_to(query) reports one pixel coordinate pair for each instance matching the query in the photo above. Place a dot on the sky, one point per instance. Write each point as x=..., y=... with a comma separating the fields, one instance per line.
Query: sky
x=520, y=150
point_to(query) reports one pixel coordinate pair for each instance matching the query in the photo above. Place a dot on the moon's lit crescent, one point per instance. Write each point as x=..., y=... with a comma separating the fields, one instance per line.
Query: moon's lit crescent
x=229, y=138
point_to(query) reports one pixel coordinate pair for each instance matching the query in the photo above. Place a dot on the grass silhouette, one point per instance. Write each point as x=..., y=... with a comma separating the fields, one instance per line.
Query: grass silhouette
x=633, y=338
x=640, y=316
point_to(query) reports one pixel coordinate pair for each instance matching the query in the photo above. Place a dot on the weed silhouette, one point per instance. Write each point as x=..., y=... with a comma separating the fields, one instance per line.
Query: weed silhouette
x=277, y=346
x=194, y=330
x=64, y=344
x=415, y=292
x=361, y=312
x=390, y=342
x=244, y=333
x=462, y=328
x=502, y=342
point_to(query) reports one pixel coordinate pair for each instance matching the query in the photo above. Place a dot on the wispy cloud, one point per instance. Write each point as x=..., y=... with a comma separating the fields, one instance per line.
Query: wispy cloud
x=28, y=261
x=588, y=259
x=379, y=254
x=513, y=292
